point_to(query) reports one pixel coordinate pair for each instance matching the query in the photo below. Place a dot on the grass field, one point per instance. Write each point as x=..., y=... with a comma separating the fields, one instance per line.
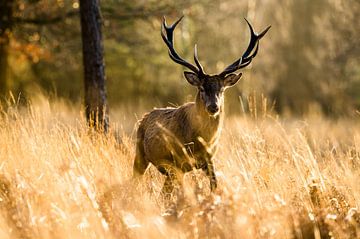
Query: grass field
x=277, y=179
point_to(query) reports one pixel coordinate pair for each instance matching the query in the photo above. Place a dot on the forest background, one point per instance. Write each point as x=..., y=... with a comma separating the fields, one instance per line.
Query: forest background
x=309, y=62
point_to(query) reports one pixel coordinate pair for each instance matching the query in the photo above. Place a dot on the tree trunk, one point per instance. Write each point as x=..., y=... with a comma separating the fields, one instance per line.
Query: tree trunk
x=94, y=69
x=6, y=23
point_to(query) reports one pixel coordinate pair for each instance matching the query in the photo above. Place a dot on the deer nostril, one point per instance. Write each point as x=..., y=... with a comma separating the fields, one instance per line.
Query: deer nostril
x=213, y=108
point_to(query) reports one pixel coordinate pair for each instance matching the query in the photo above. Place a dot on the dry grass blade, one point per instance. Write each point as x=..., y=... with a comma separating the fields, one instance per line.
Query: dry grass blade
x=276, y=180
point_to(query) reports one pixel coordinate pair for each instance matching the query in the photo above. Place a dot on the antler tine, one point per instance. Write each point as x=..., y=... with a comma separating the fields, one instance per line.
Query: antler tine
x=168, y=39
x=264, y=32
x=197, y=62
x=247, y=57
x=170, y=29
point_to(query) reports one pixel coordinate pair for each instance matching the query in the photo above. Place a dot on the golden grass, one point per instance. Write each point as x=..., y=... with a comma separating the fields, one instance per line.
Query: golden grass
x=277, y=179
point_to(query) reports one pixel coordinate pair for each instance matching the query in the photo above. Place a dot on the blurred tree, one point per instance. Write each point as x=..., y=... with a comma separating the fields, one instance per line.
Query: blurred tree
x=315, y=56
x=341, y=68
x=298, y=83
x=6, y=24
x=24, y=44
x=96, y=108
x=45, y=51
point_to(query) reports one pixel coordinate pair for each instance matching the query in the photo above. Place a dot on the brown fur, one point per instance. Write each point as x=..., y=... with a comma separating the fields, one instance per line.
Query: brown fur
x=177, y=139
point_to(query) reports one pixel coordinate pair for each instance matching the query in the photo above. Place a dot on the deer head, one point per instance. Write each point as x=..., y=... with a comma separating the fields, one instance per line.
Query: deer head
x=212, y=87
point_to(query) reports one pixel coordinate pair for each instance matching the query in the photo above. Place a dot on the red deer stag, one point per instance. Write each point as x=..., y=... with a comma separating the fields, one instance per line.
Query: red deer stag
x=176, y=140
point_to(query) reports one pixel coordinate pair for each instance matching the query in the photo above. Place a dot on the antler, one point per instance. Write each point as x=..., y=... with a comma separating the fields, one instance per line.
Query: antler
x=168, y=39
x=249, y=54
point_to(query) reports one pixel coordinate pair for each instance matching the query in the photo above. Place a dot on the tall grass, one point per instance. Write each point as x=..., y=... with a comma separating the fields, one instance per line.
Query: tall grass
x=277, y=179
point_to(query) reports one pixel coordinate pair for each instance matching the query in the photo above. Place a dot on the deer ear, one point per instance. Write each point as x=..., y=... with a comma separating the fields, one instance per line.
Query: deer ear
x=192, y=78
x=231, y=79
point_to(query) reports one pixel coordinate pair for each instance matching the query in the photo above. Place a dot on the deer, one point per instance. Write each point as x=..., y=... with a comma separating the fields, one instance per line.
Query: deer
x=179, y=140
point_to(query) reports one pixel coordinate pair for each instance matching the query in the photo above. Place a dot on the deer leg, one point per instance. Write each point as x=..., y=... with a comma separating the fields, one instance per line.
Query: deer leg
x=140, y=165
x=170, y=184
x=167, y=188
x=205, y=163
x=140, y=162
x=210, y=172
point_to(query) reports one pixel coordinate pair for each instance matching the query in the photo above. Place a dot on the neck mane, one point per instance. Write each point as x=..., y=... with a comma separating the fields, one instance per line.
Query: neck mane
x=209, y=127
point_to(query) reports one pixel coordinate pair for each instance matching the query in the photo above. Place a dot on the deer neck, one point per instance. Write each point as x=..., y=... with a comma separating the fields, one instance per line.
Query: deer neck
x=209, y=127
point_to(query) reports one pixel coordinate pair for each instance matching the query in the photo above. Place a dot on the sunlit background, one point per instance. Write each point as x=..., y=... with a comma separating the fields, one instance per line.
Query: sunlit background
x=309, y=61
